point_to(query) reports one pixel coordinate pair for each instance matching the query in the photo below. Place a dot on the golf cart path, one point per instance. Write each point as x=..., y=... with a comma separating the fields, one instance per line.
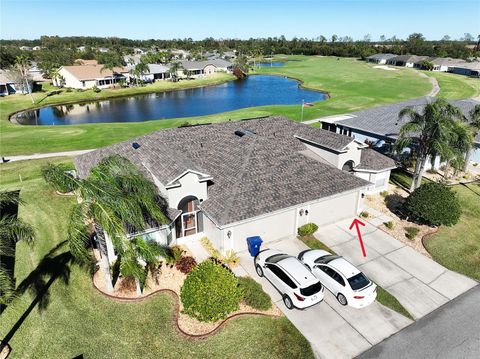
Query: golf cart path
x=37, y=156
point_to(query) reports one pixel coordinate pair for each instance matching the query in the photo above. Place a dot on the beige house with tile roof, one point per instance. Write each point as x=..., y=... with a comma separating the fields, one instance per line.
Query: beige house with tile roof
x=88, y=76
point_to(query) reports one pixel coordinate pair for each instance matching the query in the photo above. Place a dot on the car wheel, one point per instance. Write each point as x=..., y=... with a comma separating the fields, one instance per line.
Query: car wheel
x=341, y=299
x=259, y=270
x=288, y=302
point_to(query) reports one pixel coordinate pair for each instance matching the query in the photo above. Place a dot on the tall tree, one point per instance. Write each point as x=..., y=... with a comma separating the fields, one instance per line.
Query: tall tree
x=117, y=196
x=474, y=122
x=427, y=132
x=174, y=68
x=111, y=63
x=23, y=66
x=12, y=230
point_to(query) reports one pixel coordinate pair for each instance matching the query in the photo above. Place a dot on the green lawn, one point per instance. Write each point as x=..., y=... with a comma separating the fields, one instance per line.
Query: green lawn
x=383, y=297
x=402, y=178
x=456, y=87
x=458, y=247
x=75, y=319
x=352, y=85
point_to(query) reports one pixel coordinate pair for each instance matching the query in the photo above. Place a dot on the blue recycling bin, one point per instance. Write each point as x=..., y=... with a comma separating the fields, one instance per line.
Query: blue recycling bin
x=254, y=244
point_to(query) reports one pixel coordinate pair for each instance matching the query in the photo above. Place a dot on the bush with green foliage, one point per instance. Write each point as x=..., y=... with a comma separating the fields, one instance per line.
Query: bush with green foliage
x=364, y=214
x=435, y=204
x=96, y=89
x=307, y=229
x=389, y=224
x=253, y=294
x=210, y=292
x=58, y=177
x=384, y=194
x=411, y=232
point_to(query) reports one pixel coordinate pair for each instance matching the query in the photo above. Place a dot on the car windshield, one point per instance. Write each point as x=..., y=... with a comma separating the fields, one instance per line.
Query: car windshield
x=311, y=290
x=276, y=258
x=358, y=281
x=326, y=259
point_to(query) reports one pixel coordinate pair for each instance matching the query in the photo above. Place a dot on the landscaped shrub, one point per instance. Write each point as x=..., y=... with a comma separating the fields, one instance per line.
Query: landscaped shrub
x=307, y=229
x=389, y=224
x=253, y=294
x=96, y=89
x=434, y=203
x=411, y=232
x=384, y=194
x=58, y=178
x=230, y=258
x=210, y=248
x=172, y=254
x=210, y=292
x=364, y=214
x=186, y=264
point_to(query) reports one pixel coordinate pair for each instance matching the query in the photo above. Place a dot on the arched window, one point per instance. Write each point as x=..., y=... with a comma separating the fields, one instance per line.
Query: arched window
x=188, y=222
x=348, y=166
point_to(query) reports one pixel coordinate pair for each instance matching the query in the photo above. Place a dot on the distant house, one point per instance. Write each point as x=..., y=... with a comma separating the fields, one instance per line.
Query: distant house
x=381, y=124
x=88, y=76
x=11, y=84
x=180, y=54
x=380, y=58
x=204, y=68
x=81, y=48
x=155, y=72
x=35, y=73
x=229, y=55
x=135, y=59
x=25, y=48
x=85, y=62
x=406, y=60
x=103, y=49
x=442, y=64
x=138, y=51
x=36, y=48
x=466, y=68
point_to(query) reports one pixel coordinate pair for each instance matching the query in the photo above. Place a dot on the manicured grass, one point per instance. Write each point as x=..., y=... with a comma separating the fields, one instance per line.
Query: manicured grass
x=456, y=87
x=352, y=84
x=402, y=178
x=75, y=319
x=458, y=247
x=383, y=297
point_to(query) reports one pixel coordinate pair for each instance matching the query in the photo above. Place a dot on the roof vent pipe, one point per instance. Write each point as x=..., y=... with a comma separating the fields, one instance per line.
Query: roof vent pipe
x=135, y=145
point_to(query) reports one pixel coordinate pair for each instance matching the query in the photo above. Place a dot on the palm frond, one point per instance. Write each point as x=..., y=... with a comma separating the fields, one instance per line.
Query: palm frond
x=16, y=229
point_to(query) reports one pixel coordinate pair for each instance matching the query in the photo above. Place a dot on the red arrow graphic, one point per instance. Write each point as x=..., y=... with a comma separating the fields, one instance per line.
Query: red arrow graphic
x=357, y=223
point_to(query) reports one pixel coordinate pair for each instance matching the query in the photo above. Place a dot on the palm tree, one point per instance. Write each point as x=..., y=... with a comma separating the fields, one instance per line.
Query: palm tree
x=12, y=230
x=141, y=68
x=115, y=196
x=174, y=68
x=427, y=131
x=111, y=64
x=23, y=65
x=475, y=125
x=460, y=140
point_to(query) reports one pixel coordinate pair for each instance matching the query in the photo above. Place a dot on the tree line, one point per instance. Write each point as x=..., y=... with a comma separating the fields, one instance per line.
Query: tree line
x=63, y=50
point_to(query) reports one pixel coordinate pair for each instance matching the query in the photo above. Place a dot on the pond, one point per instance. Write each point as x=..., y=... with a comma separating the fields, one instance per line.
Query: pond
x=270, y=64
x=258, y=90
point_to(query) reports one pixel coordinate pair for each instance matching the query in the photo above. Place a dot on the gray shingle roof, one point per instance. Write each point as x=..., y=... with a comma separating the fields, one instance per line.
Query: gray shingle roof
x=252, y=175
x=383, y=120
x=408, y=58
x=374, y=161
x=381, y=56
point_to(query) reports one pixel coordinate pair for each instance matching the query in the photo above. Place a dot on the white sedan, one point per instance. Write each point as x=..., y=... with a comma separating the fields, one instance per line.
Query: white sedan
x=298, y=287
x=349, y=285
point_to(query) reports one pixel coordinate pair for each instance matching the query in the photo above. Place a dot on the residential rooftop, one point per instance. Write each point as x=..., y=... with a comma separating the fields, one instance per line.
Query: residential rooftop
x=254, y=167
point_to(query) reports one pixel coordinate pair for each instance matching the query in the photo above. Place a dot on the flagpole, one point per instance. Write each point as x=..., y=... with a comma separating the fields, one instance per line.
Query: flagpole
x=303, y=105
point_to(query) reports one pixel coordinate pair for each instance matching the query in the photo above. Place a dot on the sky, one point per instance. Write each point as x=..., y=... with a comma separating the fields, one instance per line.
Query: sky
x=157, y=19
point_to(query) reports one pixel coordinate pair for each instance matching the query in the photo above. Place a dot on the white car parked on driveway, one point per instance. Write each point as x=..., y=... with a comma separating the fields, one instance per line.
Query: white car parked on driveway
x=349, y=285
x=297, y=285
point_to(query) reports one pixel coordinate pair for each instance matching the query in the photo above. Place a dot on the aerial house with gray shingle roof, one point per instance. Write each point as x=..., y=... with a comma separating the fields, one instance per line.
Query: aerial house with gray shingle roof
x=232, y=180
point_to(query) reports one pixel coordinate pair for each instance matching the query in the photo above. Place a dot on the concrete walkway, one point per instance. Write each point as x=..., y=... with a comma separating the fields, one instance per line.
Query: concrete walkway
x=197, y=249
x=37, y=156
x=333, y=331
x=420, y=284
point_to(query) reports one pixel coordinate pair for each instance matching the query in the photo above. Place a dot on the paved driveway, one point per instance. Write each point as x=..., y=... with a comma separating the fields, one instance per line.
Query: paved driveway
x=419, y=283
x=334, y=331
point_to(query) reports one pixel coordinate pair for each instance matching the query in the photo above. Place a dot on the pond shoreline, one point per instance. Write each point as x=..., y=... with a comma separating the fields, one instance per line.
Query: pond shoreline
x=14, y=116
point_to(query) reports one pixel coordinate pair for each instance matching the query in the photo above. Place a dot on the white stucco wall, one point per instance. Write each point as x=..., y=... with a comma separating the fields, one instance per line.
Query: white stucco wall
x=70, y=80
x=379, y=180
x=209, y=70
x=213, y=233
x=189, y=186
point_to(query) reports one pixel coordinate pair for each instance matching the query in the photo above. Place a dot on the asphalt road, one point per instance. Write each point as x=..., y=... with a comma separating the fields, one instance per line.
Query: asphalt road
x=452, y=331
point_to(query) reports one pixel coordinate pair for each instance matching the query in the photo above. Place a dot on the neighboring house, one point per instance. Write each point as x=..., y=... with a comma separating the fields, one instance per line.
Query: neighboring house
x=442, y=64
x=36, y=48
x=406, y=60
x=380, y=58
x=81, y=48
x=180, y=54
x=467, y=69
x=229, y=55
x=10, y=84
x=232, y=180
x=35, y=73
x=155, y=72
x=103, y=49
x=204, y=68
x=383, y=125
x=138, y=51
x=25, y=48
x=88, y=76
x=135, y=59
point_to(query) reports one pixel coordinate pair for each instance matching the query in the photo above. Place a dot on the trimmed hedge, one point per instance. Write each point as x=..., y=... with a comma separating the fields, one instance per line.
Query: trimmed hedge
x=253, y=294
x=307, y=229
x=435, y=204
x=210, y=292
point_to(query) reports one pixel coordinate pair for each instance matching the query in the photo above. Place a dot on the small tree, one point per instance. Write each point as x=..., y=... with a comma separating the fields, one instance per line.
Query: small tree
x=427, y=65
x=435, y=204
x=210, y=292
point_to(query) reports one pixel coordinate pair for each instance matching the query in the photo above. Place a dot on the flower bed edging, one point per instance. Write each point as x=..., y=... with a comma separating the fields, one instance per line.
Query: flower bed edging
x=177, y=310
